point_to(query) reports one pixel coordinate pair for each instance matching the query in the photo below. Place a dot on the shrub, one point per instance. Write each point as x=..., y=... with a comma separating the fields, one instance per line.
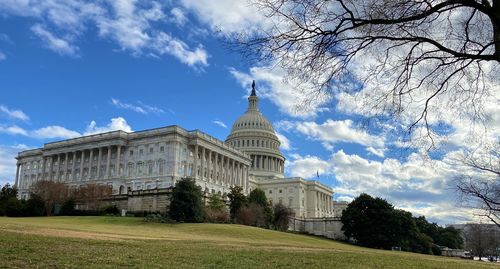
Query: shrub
x=252, y=214
x=281, y=218
x=35, y=206
x=216, y=216
x=157, y=218
x=68, y=208
x=112, y=210
x=15, y=207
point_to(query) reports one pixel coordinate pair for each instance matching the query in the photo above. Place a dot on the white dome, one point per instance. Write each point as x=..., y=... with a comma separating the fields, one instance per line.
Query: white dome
x=253, y=134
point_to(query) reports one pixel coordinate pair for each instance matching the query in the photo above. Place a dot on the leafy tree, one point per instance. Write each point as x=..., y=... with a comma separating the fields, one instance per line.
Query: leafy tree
x=281, y=217
x=236, y=200
x=186, y=202
x=449, y=237
x=371, y=222
x=215, y=202
x=258, y=197
x=6, y=193
x=15, y=207
x=216, y=210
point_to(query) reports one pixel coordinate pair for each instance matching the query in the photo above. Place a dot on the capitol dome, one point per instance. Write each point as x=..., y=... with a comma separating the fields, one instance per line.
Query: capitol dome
x=253, y=134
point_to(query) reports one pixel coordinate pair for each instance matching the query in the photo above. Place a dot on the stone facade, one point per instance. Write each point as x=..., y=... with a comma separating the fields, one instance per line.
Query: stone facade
x=142, y=166
x=145, y=160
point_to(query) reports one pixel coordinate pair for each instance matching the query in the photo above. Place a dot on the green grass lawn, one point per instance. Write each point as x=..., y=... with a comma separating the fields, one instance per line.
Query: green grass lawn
x=115, y=242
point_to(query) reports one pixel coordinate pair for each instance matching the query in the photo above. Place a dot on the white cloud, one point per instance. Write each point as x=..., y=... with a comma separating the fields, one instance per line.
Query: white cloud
x=13, y=130
x=14, y=113
x=292, y=97
x=140, y=108
x=136, y=26
x=227, y=16
x=307, y=167
x=285, y=142
x=2, y=56
x=56, y=44
x=418, y=185
x=331, y=132
x=118, y=123
x=54, y=131
x=220, y=123
x=8, y=162
x=166, y=44
x=178, y=16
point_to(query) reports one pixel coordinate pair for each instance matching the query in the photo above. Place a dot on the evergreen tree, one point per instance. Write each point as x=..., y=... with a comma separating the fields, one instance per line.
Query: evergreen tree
x=258, y=197
x=186, y=203
x=236, y=200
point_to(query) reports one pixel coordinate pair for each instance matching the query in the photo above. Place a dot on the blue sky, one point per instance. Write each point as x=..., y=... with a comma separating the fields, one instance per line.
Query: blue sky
x=70, y=68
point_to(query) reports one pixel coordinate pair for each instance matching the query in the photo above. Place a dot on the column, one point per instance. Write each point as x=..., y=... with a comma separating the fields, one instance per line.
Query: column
x=99, y=157
x=108, y=163
x=66, y=167
x=202, y=163
x=82, y=157
x=209, y=172
x=90, y=163
x=195, y=166
x=216, y=163
x=51, y=167
x=17, y=176
x=73, y=178
x=117, y=165
x=233, y=174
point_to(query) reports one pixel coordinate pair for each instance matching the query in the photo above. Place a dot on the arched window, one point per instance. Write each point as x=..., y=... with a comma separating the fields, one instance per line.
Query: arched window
x=122, y=189
x=140, y=168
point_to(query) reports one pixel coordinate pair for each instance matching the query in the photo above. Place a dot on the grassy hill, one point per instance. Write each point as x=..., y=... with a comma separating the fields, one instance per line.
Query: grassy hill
x=114, y=242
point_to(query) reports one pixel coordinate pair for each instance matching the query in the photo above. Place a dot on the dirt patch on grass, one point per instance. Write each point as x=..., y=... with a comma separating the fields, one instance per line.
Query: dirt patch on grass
x=82, y=235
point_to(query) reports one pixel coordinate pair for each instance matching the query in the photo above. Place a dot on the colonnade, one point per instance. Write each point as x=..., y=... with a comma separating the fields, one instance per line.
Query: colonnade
x=79, y=165
x=269, y=163
x=214, y=167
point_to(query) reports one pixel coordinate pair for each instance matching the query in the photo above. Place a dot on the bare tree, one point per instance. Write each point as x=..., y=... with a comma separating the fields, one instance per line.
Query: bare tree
x=92, y=196
x=412, y=54
x=481, y=239
x=51, y=193
x=482, y=190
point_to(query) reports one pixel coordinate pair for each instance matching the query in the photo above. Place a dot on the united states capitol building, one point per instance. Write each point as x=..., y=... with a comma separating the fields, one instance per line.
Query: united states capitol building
x=142, y=166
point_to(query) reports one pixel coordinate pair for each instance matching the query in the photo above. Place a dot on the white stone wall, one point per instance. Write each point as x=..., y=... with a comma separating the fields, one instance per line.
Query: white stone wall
x=136, y=161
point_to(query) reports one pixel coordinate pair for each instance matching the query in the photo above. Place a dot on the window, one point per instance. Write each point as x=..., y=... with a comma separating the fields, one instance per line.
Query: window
x=151, y=150
x=281, y=191
x=150, y=168
x=139, y=168
x=162, y=149
x=161, y=167
x=131, y=153
x=141, y=152
x=290, y=201
x=270, y=191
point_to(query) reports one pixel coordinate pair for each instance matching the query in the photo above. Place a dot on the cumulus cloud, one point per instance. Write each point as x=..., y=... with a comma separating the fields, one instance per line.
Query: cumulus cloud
x=14, y=113
x=285, y=142
x=54, y=43
x=116, y=124
x=332, y=131
x=8, y=162
x=139, y=108
x=292, y=97
x=414, y=184
x=220, y=123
